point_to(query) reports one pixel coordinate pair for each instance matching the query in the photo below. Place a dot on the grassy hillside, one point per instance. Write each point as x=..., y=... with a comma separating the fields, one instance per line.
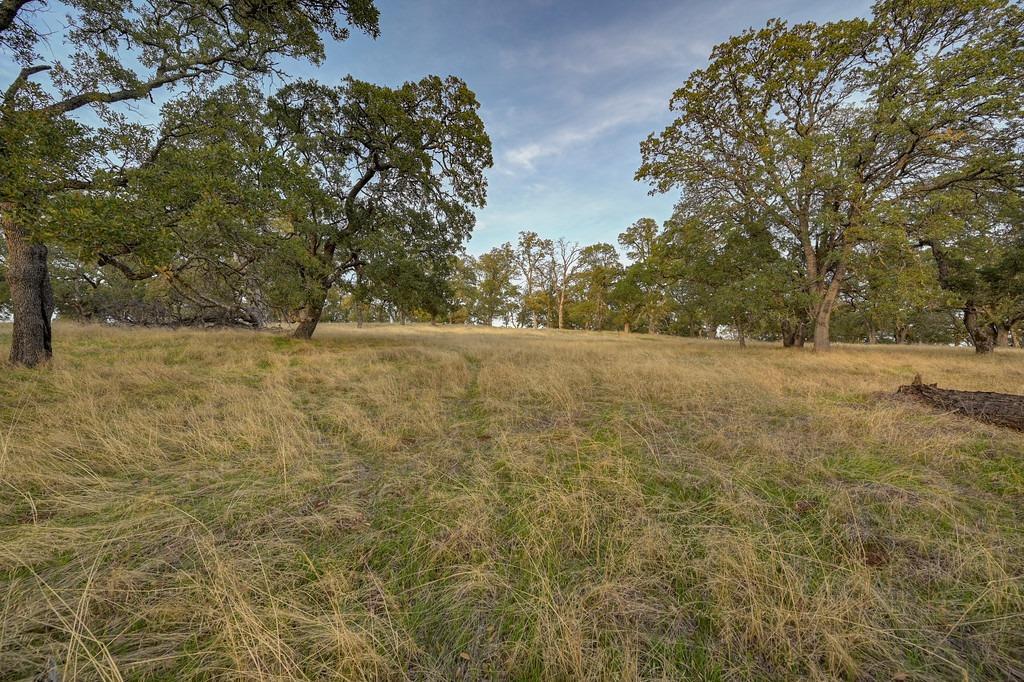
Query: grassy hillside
x=434, y=503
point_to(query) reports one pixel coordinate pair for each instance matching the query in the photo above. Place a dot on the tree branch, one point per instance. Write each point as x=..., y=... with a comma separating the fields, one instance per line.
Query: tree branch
x=9, y=12
x=20, y=81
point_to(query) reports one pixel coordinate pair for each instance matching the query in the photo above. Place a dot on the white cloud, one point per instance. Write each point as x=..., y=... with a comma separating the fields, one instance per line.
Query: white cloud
x=587, y=125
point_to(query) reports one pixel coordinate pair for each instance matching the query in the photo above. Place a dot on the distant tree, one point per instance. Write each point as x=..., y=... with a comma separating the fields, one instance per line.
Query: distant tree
x=599, y=272
x=197, y=214
x=642, y=289
x=465, y=290
x=497, y=293
x=889, y=286
x=732, y=270
x=977, y=243
x=532, y=255
x=567, y=263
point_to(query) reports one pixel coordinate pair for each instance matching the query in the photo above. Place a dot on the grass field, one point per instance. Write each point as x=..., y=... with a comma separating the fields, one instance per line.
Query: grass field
x=437, y=503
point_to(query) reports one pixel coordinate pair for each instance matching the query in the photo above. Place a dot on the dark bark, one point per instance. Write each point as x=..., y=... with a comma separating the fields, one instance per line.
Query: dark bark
x=9, y=12
x=1001, y=409
x=31, y=296
x=309, y=317
x=982, y=334
x=901, y=334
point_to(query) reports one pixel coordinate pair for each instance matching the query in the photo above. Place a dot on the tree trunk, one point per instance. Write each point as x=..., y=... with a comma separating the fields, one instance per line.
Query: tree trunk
x=31, y=295
x=1015, y=332
x=823, y=315
x=821, y=332
x=872, y=335
x=982, y=334
x=788, y=334
x=1003, y=336
x=742, y=335
x=309, y=317
x=625, y=328
x=561, y=308
x=901, y=335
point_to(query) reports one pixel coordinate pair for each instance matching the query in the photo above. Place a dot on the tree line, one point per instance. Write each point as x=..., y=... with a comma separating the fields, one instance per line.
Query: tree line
x=238, y=207
x=856, y=180
x=872, y=164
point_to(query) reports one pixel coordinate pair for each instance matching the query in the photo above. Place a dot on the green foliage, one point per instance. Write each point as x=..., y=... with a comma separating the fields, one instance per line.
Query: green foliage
x=386, y=180
x=496, y=291
x=832, y=132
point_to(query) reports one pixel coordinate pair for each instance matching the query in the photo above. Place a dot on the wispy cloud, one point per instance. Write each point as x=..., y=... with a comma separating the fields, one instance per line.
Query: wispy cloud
x=602, y=80
x=592, y=123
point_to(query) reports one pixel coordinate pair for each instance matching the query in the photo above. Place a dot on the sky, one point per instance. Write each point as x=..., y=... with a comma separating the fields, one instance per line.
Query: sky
x=568, y=90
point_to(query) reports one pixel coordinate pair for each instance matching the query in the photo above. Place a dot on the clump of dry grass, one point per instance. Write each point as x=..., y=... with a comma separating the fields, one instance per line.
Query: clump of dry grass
x=437, y=503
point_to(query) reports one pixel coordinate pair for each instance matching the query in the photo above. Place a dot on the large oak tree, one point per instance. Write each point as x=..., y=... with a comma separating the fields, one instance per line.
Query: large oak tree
x=830, y=129
x=390, y=171
x=120, y=51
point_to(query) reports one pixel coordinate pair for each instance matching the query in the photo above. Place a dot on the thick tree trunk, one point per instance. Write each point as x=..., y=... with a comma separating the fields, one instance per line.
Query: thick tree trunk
x=821, y=333
x=742, y=335
x=31, y=296
x=982, y=334
x=823, y=324
x=625, y=328
x=822, y=314
x=309, y=317
x=826, y=295
x=1003, y=336
x=872, y=335
x=901, y=335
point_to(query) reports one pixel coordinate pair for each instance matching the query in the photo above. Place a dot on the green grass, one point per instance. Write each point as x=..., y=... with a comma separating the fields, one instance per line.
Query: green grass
x=437, y=503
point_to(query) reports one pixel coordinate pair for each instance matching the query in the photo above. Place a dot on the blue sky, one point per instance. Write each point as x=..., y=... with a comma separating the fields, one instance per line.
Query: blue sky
x=568, y=90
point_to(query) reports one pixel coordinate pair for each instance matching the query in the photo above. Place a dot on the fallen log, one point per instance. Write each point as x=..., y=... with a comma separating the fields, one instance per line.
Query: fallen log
x=1001, y=409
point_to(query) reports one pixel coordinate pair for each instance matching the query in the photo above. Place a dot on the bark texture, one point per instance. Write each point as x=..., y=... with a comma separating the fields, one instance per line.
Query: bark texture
x=1001, y=409
x=309, y=317
x=982, y=334
x=792, y=334
x=31, y=296
x=1003, y=336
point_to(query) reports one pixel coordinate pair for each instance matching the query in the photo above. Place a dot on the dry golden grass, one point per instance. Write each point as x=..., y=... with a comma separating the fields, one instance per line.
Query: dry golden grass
x=437, y=503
